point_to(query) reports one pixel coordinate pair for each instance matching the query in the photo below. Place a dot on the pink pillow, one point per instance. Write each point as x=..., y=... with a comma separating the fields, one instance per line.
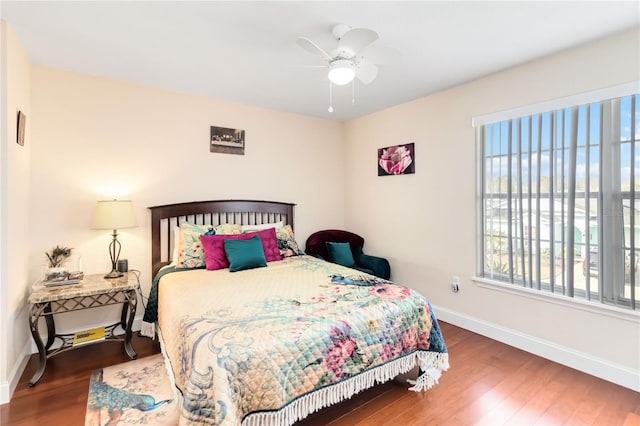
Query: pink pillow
x=269, y=243
x=216, y=258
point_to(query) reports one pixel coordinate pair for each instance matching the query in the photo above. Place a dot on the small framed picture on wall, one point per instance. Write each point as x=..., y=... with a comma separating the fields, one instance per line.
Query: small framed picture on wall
x=21, y=126
x=397, y=160
x=227, y=141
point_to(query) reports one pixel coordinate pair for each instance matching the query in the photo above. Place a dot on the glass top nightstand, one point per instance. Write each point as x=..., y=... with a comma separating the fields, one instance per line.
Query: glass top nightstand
x=91, y=292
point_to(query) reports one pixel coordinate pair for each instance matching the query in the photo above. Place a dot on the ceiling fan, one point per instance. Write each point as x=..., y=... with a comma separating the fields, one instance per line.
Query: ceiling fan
x=345, y=62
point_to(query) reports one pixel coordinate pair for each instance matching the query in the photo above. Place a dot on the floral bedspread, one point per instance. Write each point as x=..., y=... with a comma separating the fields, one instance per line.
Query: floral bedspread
x=271, y=345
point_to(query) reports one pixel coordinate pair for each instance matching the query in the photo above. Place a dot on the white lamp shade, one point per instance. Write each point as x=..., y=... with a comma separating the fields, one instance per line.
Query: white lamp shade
x=114, y=214
x=341, y=72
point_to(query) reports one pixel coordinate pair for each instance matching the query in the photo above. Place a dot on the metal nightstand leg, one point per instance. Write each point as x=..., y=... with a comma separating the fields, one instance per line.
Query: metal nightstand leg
x=51, y=326
x=131, y=304
x=36, y=311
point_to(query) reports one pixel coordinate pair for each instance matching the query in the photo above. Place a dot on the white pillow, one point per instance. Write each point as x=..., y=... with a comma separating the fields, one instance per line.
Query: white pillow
x=176, y=245
x=251, y=228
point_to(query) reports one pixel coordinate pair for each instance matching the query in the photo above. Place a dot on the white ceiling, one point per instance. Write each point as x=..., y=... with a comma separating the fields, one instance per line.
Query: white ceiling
x=247, y=51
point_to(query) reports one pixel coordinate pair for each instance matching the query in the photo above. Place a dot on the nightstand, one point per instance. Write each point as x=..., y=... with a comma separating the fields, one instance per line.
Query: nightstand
x=91, y=292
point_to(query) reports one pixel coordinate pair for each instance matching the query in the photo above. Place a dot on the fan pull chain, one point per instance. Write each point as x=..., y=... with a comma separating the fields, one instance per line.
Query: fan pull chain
x=353, y=92
x=330, y=97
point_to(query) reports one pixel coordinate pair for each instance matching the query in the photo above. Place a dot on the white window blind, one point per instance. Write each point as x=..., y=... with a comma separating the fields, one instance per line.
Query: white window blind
x=560, y=197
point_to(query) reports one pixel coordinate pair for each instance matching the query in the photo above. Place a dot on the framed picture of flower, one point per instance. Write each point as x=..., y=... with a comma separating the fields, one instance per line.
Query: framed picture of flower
x=397, y=160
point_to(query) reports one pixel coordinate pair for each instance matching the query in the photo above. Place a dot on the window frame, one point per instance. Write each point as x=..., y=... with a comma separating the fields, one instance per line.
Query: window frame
x=539, y=108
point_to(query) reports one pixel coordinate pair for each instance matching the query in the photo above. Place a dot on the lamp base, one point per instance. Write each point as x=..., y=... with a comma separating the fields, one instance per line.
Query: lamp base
x=114, y=274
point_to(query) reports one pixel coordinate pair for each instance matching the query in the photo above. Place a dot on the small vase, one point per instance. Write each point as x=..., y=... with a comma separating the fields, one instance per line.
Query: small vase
x=56, y=274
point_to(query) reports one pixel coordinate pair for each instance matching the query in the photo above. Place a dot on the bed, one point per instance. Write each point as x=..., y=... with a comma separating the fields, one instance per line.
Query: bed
x=257, y=342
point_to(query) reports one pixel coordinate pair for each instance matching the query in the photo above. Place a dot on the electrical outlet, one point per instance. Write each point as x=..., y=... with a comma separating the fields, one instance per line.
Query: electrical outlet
x=455, y=284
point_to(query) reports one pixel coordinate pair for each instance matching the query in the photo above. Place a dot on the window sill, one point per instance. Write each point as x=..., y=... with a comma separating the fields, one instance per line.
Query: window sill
x=556, y=299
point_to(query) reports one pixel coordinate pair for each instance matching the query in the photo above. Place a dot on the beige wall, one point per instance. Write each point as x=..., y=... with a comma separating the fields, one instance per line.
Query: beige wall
x=14, y=207
x=97, y=139
x=425, y=222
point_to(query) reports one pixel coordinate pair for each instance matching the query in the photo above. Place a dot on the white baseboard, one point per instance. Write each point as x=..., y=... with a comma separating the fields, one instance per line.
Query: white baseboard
x=7, y=387
x=606, y=370
x=5, y=392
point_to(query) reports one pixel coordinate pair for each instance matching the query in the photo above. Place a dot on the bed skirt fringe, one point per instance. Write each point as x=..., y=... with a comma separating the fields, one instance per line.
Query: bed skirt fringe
x=177, y=396
x=148, y=329
x=431, y=363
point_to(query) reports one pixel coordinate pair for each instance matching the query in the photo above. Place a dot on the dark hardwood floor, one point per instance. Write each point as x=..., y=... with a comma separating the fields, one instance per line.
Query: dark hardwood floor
x=489, y=383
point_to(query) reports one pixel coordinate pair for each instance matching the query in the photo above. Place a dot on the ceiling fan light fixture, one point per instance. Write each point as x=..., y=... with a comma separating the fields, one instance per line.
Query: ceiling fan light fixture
x=341, y=72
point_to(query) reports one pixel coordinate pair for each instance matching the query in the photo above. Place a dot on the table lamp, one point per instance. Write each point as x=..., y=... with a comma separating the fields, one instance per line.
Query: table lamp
x=115, y=214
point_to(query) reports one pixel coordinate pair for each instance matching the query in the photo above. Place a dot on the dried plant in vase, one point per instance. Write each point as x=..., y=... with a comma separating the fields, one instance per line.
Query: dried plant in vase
x=56, y=257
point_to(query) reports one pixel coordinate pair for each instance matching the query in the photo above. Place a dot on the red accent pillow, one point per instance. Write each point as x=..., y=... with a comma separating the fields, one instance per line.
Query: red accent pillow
x=216, y=258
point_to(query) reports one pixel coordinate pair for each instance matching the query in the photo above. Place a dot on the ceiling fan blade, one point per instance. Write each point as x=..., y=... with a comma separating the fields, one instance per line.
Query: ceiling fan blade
x=380, y=54
x=354, y=40
x=366, y=72
x=313, y=48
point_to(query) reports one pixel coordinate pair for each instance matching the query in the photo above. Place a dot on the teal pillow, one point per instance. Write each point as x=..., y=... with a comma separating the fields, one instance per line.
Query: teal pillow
x=340, y=253
x=245, y=254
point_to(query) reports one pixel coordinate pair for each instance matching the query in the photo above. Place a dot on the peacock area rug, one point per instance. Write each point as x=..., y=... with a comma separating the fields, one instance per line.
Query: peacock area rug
x=133, y=393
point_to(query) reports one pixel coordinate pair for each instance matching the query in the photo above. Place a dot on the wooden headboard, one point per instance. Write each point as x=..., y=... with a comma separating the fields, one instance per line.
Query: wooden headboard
x=243, y=212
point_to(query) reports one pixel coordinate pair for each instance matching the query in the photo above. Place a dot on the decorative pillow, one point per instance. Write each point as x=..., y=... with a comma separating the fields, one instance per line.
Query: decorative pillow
x=245, y=254
x=340, y=253
x=215, y=256
x=287, y=242
x=176, y=245
x=190, y=254
x=228, y=229
x=250, y=228
x=269, y=244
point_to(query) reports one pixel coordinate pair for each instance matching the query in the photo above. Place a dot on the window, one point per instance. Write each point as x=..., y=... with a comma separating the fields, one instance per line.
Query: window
x=560, y=201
